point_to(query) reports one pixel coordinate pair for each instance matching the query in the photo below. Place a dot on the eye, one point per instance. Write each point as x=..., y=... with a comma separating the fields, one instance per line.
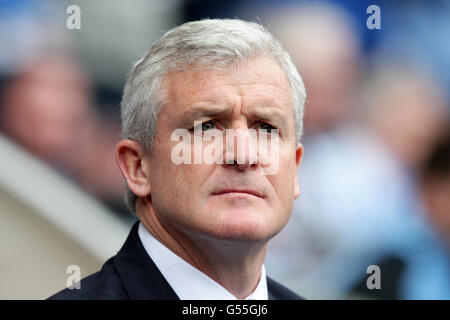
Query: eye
x=266, y=126
x=204, y=126
x=208, y=125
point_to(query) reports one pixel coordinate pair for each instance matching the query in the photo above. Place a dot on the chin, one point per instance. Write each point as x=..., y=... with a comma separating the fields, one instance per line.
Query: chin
x=246, y=225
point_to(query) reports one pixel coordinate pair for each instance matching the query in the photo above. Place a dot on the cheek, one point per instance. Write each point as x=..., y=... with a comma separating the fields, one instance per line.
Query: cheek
x=179, y=187
x=284, y=188
x=283, y=181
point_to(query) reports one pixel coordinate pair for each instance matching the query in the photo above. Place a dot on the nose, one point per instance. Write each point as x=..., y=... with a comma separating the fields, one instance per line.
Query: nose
x=240, y=149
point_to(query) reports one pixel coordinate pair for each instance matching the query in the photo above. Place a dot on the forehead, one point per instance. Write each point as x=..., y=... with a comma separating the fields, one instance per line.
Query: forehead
x=258, y=79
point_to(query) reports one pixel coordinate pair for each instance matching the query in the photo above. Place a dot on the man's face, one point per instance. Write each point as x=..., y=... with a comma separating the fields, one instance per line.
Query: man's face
x=225, y=201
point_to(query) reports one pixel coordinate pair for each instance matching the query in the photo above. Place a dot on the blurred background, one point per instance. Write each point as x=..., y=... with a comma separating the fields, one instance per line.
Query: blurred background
x=375, y=178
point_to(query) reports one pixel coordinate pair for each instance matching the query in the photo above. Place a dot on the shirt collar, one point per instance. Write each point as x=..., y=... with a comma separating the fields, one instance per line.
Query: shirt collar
x=188, y=282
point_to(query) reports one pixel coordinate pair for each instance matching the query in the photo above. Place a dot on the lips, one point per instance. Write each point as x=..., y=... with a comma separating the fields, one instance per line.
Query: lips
x=239, y=191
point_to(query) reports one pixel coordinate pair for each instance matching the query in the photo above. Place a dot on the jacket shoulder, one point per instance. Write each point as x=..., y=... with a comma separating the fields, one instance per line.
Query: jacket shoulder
x=102, y=285
x=279, y=292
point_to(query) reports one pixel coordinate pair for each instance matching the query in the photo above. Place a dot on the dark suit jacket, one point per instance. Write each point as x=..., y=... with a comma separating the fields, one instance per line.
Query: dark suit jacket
x=131, y=274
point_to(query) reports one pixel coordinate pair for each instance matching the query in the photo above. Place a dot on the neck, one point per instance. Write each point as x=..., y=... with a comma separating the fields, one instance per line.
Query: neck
x=234, y=265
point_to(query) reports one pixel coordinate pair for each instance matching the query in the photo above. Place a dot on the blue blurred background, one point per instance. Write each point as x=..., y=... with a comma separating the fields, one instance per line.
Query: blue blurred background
x=377, y=105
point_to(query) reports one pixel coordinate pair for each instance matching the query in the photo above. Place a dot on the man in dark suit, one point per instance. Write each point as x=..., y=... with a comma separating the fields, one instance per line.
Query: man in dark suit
x=212, y=121
x=132, y=275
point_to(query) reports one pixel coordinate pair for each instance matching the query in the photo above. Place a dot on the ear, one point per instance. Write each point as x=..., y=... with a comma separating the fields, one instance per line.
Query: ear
x=298, y=159
x=130, y=159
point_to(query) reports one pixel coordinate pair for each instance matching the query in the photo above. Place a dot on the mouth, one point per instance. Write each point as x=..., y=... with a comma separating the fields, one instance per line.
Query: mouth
x=236, y=192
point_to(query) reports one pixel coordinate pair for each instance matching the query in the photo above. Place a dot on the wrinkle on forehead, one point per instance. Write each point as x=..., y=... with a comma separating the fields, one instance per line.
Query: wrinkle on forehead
x=189, y=86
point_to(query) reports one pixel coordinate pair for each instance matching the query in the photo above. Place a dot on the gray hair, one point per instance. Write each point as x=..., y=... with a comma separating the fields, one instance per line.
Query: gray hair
x=209, y=44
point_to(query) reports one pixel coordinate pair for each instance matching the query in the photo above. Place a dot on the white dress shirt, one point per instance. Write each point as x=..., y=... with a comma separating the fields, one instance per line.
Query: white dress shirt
x=188, y=282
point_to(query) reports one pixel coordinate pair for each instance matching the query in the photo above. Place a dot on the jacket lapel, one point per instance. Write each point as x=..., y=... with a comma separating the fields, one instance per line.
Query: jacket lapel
x=140, y=276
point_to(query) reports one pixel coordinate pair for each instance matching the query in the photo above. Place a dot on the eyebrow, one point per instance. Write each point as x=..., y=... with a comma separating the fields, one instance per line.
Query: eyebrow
x=203, y=111
x=270, y=114
x=265, y=113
